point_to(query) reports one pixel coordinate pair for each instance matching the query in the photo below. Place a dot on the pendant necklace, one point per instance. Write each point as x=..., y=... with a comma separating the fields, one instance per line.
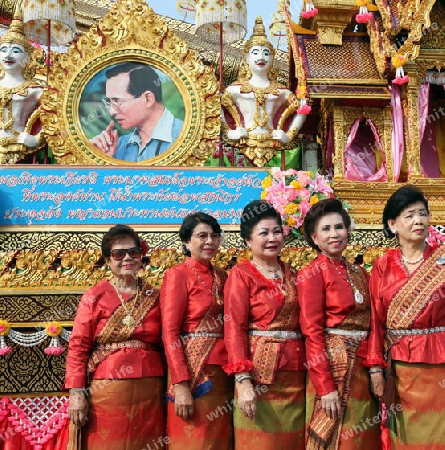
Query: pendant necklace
x=128, y=320
x=358, y=296
x=213, y=293
x=275, y=276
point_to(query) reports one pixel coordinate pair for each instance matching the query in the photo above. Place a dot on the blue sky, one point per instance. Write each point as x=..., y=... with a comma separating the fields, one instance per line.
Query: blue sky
x=263, y=8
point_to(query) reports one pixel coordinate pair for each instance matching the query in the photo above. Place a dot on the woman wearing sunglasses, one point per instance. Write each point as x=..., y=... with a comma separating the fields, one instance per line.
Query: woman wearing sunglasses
x=199, y=413
x=114, y=368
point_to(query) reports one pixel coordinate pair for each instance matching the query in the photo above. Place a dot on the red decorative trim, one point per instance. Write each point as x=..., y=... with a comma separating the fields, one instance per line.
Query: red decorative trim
x=272, y=285
x=374, y=360
x=242, y=365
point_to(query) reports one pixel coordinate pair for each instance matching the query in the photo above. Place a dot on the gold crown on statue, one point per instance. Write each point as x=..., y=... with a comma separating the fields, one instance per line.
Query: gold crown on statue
x=16, y=33
x=259, y=37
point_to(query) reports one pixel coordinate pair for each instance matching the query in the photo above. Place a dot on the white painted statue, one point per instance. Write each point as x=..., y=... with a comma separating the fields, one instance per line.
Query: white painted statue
x=259, y=114
x=19, y=94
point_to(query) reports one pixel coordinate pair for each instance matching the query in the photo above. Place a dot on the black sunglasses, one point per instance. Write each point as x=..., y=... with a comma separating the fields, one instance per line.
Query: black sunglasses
x=118, y=254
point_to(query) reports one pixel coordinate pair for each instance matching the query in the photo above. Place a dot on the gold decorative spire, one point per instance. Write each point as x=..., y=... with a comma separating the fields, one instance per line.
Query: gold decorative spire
x=259, y=37
x=16, y=32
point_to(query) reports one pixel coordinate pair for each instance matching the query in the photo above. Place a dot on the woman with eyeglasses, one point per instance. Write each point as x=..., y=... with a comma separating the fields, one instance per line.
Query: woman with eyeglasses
x=199, y=407
x=263, y=339
x=114, y=367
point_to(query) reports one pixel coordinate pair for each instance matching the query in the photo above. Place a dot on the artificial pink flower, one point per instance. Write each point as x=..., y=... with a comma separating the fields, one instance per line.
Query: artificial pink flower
x=401, y=80
x=364, y=18
x=304, y=109
x=305, y=195
x=304, y=207
x=320, y=185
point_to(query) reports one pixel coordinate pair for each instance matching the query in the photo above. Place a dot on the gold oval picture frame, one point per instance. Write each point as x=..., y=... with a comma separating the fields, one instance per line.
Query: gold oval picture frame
x=131, y=32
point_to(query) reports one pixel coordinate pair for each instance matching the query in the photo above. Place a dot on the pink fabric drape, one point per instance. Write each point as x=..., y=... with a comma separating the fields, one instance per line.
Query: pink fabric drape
x=360, y=161
x=398, y=138
x=429, y=160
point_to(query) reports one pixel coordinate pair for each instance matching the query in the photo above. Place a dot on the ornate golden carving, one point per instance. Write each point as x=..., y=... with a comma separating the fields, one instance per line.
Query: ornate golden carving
x=415, y=16
x=380, y=45
x=387, y=142
x=332, y=19
x=434, y=37
x=385, y=14
x=131, y=31
x=413, y=142
x=368, y=199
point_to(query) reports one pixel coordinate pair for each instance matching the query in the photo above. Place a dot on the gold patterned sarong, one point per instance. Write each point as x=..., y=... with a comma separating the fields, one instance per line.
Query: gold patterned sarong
x=406, y=306
x=324, y=432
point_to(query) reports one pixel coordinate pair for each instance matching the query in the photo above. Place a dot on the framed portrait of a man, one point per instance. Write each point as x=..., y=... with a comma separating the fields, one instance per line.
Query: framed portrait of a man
x=131, y=92
x=132, y=111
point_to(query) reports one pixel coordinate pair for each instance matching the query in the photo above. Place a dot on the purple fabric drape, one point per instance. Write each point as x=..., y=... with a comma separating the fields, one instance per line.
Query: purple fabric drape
x=360, y=161
x=398, y=138
x=429, y=160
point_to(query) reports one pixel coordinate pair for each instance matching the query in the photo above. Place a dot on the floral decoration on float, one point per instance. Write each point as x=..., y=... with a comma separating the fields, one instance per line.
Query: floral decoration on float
x=4, y=330
x=54, y=329
x=301, y=93
x=398, y=61
x=293, y=192
x=309, y=9
x=364, y=15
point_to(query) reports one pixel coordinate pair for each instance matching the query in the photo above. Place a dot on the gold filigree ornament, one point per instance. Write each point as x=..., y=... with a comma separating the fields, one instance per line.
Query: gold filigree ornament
x=75, y=101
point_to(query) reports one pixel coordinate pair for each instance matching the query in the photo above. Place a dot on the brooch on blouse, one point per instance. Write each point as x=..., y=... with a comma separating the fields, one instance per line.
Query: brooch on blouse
x=441, y=261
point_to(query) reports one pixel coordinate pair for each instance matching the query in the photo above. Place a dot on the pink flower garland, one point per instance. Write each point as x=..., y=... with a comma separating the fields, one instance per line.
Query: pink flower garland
x=435, y=237
x=36, y=436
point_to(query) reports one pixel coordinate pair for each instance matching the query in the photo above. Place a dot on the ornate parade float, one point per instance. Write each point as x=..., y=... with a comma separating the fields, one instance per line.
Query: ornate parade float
x=362, y=101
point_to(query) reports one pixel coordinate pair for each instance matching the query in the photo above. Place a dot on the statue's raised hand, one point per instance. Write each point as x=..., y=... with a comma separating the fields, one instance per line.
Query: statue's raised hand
x=280, y=135
x=28, y=140
x=237, y=134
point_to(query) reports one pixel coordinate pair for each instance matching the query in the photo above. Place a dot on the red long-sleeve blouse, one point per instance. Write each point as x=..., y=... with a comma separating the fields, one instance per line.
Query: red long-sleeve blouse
x=326, y=299
x=248, y=300
x=94, y=310
x=184, y=303
x=387, y=277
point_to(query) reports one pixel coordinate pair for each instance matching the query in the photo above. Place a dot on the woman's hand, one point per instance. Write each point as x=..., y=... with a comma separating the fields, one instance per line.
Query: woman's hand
x=378, y=384
x=331, y=404
x=247, y=399
x=78, y=408
x=183, y=400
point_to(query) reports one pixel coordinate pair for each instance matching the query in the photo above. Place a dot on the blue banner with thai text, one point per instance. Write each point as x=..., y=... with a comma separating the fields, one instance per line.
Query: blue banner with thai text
x=96, y=195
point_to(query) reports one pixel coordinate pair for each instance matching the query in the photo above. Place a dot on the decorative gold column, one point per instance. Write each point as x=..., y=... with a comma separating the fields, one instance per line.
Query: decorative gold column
x=386, y=137
x=332, y=19
x=339, y=138
x=412, y=144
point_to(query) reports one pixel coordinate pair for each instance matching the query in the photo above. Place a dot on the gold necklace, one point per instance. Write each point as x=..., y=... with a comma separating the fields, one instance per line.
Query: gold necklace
x=128, y=320
x=358, y=296
x=214, y=294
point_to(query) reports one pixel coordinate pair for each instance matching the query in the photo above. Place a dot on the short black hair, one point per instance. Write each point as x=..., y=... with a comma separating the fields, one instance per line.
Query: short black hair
x=142, y=78
x=190, y=222
x=254, y=212
x=402, y=198
x=115, y=234
x=319, y=210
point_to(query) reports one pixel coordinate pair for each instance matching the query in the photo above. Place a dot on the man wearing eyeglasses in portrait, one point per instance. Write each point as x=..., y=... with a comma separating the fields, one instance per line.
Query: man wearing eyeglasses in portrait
x=134, y=100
